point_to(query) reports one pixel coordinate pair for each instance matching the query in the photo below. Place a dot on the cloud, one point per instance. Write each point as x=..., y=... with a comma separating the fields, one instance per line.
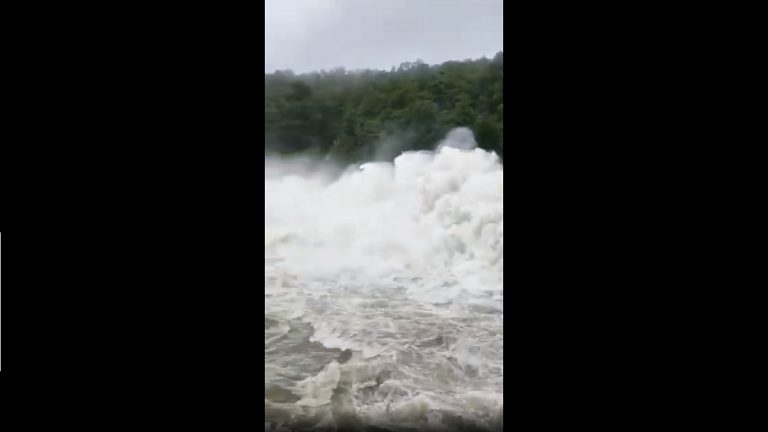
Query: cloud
x=306, y=35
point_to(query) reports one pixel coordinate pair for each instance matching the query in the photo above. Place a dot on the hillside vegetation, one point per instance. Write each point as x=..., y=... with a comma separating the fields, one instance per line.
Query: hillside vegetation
x=375, y=115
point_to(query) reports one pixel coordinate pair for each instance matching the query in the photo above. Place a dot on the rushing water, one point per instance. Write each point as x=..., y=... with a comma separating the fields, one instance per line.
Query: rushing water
x=383, y=293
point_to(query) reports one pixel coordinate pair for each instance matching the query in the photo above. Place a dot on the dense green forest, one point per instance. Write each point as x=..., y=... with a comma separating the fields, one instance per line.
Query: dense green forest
x=375, y=115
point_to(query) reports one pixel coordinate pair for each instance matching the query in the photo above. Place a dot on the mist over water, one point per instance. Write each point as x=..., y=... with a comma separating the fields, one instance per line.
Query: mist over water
x=383, y=291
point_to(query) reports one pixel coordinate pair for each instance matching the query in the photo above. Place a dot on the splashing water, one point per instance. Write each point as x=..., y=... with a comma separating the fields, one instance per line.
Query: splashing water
x=383, y=292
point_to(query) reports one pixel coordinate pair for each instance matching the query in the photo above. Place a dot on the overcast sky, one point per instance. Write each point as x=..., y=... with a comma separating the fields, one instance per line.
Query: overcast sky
x=307, y=35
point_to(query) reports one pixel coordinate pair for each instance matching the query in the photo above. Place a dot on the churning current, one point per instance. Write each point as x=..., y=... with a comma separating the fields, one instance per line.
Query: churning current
x=383, y=292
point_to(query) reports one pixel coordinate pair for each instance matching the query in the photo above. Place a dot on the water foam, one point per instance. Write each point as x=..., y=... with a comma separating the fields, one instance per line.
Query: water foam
x=427, y=213
x=399, y=263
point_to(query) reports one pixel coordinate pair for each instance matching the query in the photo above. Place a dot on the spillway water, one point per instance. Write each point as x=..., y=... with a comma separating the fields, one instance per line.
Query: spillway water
x=383, y=293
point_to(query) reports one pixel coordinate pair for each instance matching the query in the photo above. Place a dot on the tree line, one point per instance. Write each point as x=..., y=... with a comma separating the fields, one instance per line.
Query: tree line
x=375, y=115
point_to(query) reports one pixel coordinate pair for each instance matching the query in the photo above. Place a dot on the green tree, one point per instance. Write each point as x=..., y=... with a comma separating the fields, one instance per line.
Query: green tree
x=346, y=115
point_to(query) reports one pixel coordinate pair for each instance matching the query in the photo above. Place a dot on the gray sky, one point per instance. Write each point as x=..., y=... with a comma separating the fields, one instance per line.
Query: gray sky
x=307, y=35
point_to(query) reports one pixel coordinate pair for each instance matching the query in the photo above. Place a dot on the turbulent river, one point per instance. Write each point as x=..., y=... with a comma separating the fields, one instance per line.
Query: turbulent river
x=383, y=293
